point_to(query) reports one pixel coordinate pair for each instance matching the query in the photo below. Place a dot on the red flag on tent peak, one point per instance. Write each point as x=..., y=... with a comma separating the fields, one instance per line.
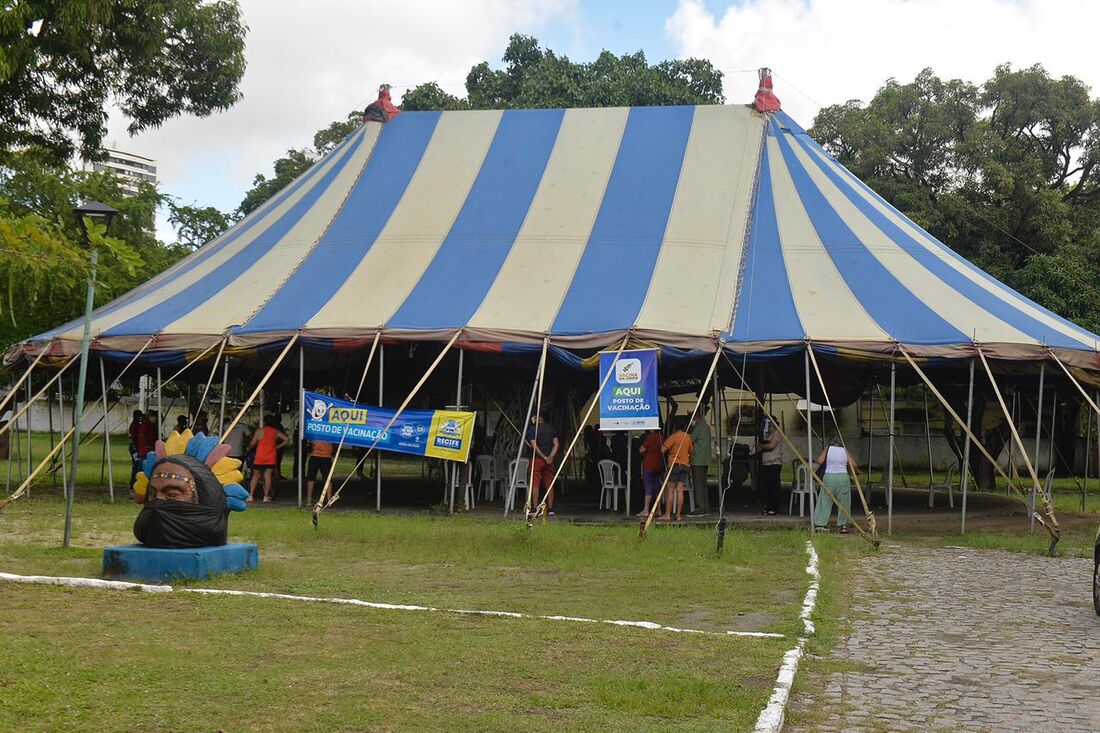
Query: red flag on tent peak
x=765, y=100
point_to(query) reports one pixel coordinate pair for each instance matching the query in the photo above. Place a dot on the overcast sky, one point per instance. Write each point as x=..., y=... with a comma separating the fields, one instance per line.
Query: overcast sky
x=312, y=61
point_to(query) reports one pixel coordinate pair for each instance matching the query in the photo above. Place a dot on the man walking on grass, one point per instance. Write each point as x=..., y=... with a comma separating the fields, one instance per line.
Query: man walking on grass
x=543, y=440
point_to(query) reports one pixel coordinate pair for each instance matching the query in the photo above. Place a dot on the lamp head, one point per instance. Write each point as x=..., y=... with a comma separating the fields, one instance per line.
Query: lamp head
x=95, y=211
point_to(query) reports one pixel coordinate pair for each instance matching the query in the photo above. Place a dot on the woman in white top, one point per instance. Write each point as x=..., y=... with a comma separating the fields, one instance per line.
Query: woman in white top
x=837, y=460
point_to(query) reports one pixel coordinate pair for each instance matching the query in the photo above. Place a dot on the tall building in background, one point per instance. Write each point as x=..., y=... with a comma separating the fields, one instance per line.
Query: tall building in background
x=130, y=168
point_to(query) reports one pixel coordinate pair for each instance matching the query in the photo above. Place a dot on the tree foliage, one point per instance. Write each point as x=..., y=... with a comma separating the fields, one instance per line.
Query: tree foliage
x=61, y=61
x=196, y=225
x=1007, y=173
x=533, y=77
x=44, y=262
x=296, y=161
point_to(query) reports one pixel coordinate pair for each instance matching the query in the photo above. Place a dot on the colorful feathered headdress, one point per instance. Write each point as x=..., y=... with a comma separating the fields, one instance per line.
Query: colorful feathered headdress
x=206, y=448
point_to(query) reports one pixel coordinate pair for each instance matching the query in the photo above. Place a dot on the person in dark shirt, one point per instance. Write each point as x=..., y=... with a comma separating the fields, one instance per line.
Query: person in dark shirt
x=543, y=441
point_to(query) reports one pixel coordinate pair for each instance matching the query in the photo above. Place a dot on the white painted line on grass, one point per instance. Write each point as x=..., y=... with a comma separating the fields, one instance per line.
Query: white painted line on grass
x=117, y=585
x=772, y=716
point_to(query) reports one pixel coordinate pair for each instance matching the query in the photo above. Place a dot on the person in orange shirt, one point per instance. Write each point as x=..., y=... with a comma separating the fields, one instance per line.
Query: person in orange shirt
x=678, y=447
x=320, y=461
x=653, y=465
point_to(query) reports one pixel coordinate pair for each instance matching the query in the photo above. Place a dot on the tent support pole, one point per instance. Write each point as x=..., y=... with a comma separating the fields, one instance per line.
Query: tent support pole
x=717, y=413
x=1088, y=456
x=405, y=403
x=323, y=493
x=7, y=485
x=209, y=381
x=890, y=465
x=260, y=386
x=1050, y=450
x=53, y=474
x=225, y=388
x=1038, y=431
x=29, y=416
x=928, y=439
x=809, y=427
x=870, y=435
x=542, y=507
x=874, y=540
x=64, y=458
x=24, y=487
x=1053, y=527
x=13, y=423
x=454, y=467
x=26, y=375
x=872, y=523
x=966, y=445
x=378, y=458
x=301, y=417
x=160, y=406
x=528, y=502
x=698, y=400
x=107, y=433
x=522, y=432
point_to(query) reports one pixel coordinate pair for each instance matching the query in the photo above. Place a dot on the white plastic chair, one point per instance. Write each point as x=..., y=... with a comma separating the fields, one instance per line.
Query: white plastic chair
x=489, y=480
x=521, y=471
x=611, y=480
x=803, y=487
x=948, y=485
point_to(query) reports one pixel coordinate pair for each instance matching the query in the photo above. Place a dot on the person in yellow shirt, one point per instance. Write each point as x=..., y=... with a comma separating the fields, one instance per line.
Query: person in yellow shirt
x=677, y=448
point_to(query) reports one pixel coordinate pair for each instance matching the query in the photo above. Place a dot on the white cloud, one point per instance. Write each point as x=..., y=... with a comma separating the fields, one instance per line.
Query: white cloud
x=312, y=61
x=829, y=51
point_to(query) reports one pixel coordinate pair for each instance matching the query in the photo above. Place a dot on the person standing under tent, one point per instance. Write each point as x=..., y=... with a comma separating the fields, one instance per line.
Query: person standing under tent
x=267, y=441
x=320, y=462
x=201, y=427
x=181, y=424
x=235, y=441
x=837, y=460
x=142, y=440
x=700, y=459
x=771, y=464
x=678, y=446
x=653, y=468
x=543, y=441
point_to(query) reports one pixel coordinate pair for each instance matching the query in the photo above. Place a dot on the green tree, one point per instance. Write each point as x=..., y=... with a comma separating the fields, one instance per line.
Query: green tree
x=43, y=257
x=533, y=77
x=1006, y=173
x=296, y=161
x=196, y=225
x=62, y=60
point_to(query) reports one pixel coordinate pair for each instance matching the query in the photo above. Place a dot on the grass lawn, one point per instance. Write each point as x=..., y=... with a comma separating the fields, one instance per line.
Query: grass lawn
x=109, y=660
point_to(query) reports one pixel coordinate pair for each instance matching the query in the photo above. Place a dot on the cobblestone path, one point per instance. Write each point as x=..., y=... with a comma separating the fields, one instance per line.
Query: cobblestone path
x=960, y=639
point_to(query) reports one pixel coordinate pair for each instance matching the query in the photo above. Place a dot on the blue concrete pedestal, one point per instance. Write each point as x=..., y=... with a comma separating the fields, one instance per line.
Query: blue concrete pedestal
x=155, y=565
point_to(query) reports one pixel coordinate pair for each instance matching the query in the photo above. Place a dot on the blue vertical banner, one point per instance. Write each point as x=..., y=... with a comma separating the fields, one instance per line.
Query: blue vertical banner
x=628, y=400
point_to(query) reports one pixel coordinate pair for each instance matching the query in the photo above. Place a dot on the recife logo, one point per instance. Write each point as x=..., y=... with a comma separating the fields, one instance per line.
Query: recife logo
x=628, y=371
x=317, y=412
x=449, y=435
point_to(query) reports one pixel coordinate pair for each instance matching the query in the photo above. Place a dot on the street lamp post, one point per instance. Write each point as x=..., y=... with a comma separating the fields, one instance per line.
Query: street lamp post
x=97, y=212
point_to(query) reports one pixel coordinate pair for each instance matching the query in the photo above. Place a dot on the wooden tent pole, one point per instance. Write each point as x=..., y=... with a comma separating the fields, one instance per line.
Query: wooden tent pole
x=30, y=401
x=323, y=493
x=966, y=445
x=541, y=508
x=209, y=380
x=317, y=509
x=1038, y=433
x=698, y=400
x=522, y=432
x=260, y=386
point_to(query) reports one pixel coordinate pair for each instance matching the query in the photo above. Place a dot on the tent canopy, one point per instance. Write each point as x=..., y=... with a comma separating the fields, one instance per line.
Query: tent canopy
x=684, y=226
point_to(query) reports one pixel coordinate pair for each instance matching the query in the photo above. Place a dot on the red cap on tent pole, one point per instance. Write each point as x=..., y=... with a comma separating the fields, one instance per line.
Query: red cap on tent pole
x=766, y=101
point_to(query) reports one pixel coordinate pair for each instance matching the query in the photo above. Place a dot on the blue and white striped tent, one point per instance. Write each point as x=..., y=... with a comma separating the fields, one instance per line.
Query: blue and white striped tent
x=685, y=226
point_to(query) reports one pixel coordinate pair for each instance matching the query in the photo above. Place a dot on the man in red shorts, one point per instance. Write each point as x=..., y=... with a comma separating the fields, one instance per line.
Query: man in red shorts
x=543, y=439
